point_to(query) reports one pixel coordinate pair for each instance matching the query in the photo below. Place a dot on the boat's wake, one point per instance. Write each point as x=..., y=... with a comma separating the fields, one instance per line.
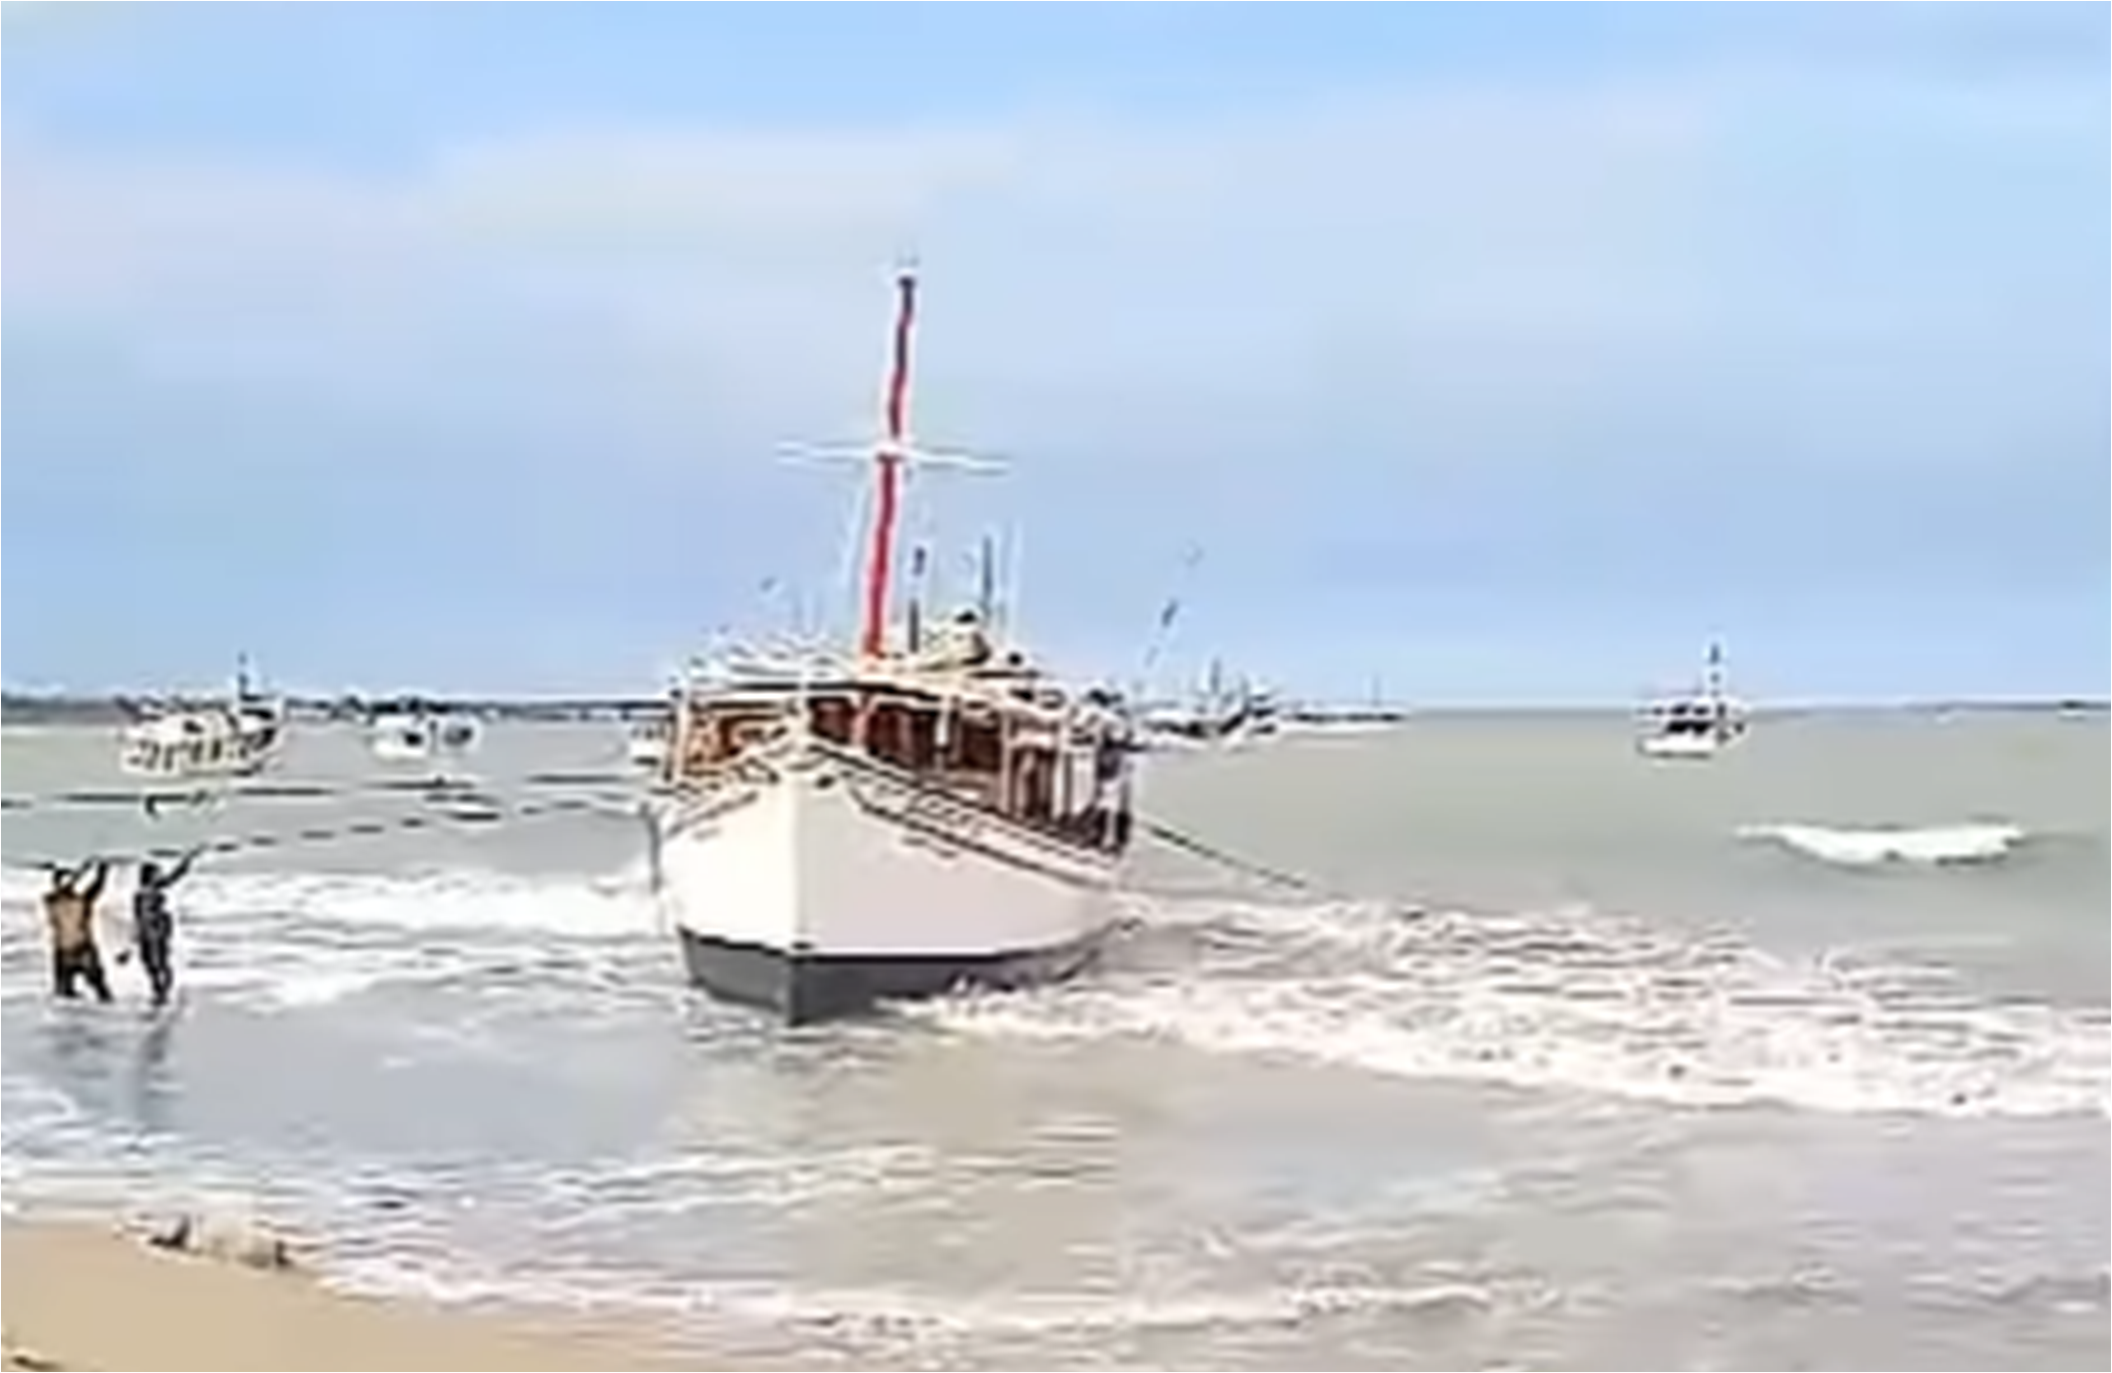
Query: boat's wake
x=1572, y=1002
x=1566, y=1001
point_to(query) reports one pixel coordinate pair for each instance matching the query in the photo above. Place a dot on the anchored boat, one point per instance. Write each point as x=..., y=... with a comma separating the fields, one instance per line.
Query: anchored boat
x=236, y=737
x=1698, y=725
x=418, y=735
x=1220, y=714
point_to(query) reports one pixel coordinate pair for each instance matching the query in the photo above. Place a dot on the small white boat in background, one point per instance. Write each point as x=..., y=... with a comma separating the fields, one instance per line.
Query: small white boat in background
x=1373, y=716
x=645, y=745
x=421, y=736
x=237, y=737
x=1220, y=715
x=1695, y=726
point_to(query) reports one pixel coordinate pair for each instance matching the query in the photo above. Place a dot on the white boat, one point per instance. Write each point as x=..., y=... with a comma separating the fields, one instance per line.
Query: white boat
x=1698, y=725
x=232, y=738
x=843, y=829
x=421, y=736
x=1219, y=715
x=1335, y=726
x=1373, y=716
x=645, y=743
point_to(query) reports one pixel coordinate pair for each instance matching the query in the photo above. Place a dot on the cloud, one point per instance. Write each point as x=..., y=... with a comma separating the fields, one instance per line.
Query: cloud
x=1460, y=335
x=1453, y=246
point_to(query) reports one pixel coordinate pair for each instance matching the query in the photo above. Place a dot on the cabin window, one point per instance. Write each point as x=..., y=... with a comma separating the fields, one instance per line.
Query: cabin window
x=974, y=745
x=1060, y=780
x=712, y=737
x=902, y=735
x=920, y=739
x=1033, y=789
x=832, y=718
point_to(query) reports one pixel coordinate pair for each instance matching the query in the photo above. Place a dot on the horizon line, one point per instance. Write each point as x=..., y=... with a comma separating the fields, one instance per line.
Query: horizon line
x=14, y=698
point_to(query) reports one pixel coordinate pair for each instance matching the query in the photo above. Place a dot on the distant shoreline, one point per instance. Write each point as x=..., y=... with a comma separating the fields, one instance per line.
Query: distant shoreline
x=27, y=709
x=59, y=709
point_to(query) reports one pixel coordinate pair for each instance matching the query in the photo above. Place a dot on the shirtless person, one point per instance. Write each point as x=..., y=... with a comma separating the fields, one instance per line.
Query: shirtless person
x=69, y=910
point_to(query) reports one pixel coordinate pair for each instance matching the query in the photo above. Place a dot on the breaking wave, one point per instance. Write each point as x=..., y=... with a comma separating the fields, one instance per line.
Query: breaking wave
x=1569, y=1001
x=1930, y=845
x=295, y=939
x=1573, y=1001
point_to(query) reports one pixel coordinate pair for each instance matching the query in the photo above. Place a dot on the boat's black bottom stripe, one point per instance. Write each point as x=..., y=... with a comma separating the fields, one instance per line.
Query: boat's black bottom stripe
x=802, y=988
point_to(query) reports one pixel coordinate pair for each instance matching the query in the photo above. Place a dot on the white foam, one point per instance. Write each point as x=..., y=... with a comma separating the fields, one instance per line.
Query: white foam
x=431, y=900
x=300, y=939
x=404, y=1212
x=1580, y=1002
x=902, y=1317
x=412, y=1245
x=1972, y=842
x=21, y=886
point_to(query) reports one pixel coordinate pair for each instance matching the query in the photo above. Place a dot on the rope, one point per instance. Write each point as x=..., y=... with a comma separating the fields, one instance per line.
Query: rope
x=1278, y=877
x=465, y=805
x=207, y=792
x=489, y=811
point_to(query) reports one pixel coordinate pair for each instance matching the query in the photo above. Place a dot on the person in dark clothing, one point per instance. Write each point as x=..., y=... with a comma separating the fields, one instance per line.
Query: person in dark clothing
x=69, y=911
x=154, y=925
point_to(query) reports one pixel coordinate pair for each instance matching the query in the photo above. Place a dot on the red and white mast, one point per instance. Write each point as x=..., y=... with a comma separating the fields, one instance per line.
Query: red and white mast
x=888, y=458
x=891, y=456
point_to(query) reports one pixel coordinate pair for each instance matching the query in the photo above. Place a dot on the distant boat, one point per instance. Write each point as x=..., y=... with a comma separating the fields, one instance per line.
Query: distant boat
x=841, y=829
x=418, y=734
x=1219, y=715
x=1698, y=725
x=236, y=737
x=645, y=744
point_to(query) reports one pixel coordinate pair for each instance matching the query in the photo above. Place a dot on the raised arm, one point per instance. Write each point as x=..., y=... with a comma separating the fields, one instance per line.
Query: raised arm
x=98, y=870
x=182, y=866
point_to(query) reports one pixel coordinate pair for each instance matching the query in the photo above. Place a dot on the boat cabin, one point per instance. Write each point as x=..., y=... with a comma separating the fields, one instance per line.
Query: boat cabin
x=1689, y=718
x=199, y=741
x=1695, y=718
x=991, y=734
x=420, y=734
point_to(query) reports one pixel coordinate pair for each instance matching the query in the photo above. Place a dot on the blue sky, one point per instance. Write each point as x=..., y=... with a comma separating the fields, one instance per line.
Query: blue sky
x=1505, y=352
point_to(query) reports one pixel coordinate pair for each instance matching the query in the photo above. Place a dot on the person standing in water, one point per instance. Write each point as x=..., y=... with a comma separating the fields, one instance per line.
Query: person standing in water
x=154, y=925
x=69, y=911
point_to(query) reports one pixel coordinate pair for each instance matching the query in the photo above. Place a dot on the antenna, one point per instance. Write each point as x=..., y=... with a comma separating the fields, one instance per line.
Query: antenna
x=914, y=631
x=1169, y=612
x=890, y=455
x=986, y=586
x=1015, y=560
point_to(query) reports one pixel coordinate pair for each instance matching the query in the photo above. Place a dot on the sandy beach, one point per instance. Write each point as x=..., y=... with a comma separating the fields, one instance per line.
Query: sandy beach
x=86, y=1297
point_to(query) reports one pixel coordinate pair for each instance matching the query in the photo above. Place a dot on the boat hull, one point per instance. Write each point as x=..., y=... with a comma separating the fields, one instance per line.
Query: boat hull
x=810, y=988
x=817, y=888
x=212, y=750
x=646, y=754
x=1682, y=746
x=423, y=744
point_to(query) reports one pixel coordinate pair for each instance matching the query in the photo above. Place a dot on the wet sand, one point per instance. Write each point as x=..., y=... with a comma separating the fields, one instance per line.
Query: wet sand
x=88, y=1297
